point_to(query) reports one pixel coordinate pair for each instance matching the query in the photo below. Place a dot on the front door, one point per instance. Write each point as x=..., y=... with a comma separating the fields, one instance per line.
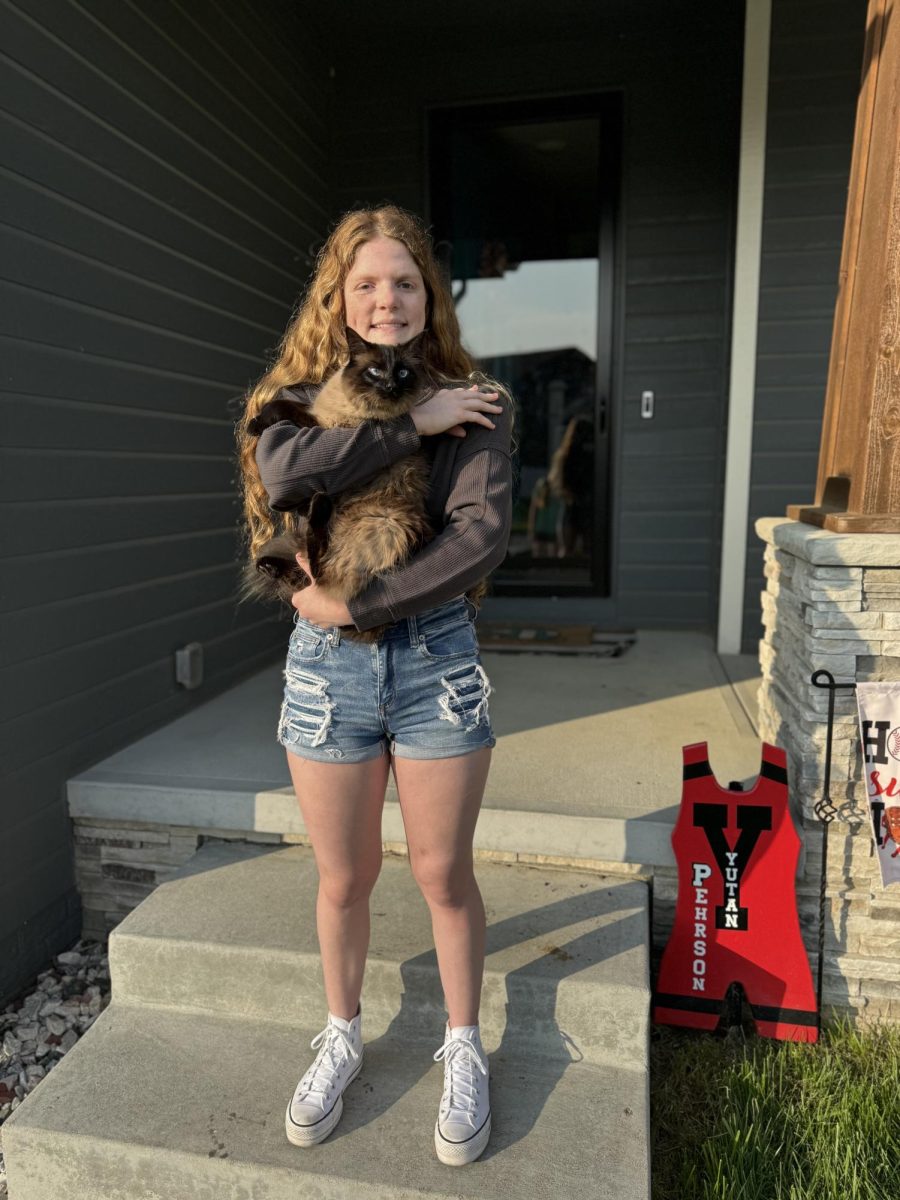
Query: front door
x=522, y=204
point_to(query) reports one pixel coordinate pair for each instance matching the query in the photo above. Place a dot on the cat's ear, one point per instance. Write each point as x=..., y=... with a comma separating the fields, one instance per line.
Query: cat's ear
x=355, y=343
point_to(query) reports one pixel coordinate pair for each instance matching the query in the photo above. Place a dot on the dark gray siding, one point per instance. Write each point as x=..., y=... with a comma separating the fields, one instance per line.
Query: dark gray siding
x=164, y=177
x=679, y=68
x=816, y=56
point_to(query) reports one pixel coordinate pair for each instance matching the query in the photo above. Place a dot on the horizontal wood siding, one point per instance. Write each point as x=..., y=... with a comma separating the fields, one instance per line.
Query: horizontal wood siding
x=678, y=66
x=816, y=56
x=165, y=182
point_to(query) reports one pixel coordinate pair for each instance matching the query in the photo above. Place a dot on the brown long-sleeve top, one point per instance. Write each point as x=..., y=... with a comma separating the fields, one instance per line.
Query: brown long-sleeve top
x=469, y=498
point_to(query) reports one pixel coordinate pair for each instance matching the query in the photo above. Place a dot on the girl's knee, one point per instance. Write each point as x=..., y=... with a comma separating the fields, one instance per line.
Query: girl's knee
x=446, y=883
x=345, y=888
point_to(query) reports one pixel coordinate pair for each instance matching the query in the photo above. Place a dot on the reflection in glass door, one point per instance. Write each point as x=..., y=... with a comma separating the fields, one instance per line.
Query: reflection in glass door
x=521, y=211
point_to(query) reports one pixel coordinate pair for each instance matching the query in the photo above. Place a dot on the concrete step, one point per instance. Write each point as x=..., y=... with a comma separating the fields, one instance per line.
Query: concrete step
x=179, y=1088
x=624, y=827
x=160, y=1104
x=233, y=932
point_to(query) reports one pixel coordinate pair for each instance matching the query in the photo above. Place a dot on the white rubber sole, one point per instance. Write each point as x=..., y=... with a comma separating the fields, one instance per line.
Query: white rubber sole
x=311, y=1135
x=457, y=1154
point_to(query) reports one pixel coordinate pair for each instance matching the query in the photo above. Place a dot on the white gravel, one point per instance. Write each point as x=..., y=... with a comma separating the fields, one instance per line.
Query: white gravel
x=37, y=1029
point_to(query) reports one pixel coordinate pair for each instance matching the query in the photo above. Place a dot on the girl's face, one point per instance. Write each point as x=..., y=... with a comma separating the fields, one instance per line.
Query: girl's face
x=385, y=299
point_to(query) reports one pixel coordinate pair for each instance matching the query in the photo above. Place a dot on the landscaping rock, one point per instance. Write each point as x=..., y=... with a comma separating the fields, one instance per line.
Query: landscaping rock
x=37, y=1030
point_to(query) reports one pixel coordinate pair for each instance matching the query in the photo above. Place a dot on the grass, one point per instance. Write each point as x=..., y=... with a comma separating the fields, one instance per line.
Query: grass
x=756, y=1119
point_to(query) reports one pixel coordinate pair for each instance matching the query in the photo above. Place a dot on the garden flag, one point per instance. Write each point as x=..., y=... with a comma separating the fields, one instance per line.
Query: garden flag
x=879, y=732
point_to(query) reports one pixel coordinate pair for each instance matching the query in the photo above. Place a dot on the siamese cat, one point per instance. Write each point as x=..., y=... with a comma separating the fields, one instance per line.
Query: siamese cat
x=370, y=528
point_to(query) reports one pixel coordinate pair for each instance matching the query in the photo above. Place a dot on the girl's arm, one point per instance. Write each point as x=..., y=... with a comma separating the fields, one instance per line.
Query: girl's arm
x=296, y=463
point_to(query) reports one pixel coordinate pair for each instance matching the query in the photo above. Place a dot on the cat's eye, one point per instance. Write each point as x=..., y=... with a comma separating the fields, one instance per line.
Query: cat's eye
x=402, y=373
x=374, y=373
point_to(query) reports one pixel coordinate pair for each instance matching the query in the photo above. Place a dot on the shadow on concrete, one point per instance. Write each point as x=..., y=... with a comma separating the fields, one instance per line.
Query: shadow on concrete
x=534, y=1052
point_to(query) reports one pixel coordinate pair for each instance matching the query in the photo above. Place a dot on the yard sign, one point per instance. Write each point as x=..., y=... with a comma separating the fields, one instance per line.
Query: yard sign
x=736, y=913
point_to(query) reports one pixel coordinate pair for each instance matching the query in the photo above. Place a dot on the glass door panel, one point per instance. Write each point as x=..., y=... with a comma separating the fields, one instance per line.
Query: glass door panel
x=517, y=213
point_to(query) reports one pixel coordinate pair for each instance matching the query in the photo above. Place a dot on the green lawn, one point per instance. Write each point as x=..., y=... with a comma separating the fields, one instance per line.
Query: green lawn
x=756, y=1119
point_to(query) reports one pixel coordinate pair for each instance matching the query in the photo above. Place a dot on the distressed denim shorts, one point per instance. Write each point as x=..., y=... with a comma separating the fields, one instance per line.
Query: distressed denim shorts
x=419, y=692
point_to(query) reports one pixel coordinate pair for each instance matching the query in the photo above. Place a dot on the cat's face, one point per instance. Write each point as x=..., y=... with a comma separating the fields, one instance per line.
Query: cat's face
x=385, y=299
x=390, y=373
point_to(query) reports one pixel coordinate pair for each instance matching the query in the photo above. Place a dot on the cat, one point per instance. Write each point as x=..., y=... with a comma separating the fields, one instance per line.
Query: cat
x=370, y=528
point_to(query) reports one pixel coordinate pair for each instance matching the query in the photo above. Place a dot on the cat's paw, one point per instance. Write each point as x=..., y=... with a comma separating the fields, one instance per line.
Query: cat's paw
x=277, y=560
x=280, y=409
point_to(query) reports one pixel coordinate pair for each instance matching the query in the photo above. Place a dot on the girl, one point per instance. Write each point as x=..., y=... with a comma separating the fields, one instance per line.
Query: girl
x=416, y=700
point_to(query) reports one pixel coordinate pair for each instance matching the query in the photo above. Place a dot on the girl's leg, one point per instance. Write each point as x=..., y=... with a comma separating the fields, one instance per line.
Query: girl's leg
x=341, y=805
x=440, y=800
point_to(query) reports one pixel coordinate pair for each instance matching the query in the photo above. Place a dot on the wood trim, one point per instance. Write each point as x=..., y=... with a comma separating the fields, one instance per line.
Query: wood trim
x=745, y=316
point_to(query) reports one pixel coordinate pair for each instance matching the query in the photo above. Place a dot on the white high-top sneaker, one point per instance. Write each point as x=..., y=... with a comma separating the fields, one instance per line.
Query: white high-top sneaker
x=464, y=1118
x=317, y=1102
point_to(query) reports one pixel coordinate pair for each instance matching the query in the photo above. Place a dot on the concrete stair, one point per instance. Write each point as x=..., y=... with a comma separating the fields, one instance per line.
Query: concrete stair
x=179, y=1088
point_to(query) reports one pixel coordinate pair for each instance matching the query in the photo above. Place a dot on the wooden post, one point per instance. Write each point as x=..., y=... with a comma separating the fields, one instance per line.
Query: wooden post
x=858, y=486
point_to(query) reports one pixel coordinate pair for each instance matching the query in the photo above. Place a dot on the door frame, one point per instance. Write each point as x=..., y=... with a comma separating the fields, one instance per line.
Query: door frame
x=595, y=600
x=737, y=538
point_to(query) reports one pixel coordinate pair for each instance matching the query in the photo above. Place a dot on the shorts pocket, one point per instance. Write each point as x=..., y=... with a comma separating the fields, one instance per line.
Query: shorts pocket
x=308, y=643
x=454, y=639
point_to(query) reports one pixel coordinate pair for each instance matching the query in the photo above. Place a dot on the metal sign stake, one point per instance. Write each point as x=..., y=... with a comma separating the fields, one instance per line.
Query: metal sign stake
x=826, y=812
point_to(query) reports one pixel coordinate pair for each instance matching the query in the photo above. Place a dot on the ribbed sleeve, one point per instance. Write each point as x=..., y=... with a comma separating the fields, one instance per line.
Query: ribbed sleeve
x=471, y=545
x=295, y=463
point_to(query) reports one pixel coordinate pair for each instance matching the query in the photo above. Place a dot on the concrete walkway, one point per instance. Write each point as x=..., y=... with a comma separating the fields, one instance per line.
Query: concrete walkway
x=587, y=764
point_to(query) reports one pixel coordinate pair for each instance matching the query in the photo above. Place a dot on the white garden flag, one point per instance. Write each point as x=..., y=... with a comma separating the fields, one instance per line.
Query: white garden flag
x=879, y=726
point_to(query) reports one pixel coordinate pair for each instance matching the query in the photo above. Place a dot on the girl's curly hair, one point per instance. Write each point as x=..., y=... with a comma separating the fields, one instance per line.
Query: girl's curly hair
x=314, y=344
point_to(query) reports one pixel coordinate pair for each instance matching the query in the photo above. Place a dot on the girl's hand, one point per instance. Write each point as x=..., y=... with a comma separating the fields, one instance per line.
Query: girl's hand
x=448, y=408
x=315, y=606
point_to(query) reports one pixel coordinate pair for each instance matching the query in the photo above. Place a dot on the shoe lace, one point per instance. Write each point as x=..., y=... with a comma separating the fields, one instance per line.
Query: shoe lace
x=569, y=1041
x=336, y=1049
x=461, y=1064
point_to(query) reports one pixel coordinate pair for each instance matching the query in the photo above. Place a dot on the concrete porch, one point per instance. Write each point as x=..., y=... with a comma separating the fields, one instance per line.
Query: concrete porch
x=587, y=767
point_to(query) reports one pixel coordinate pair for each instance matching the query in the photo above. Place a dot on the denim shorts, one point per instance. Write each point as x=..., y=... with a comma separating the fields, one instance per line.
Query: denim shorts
x=419, y=692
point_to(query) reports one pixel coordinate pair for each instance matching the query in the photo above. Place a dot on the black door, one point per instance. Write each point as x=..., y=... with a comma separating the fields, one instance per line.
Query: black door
x=522, y=205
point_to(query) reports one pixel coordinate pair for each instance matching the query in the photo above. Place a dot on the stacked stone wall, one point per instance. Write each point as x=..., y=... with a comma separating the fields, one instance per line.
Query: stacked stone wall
x=119, y=863
x=832, y=602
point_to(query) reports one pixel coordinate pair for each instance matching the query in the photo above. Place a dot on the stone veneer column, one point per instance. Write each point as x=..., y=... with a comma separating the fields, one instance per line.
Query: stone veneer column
x=832, y=601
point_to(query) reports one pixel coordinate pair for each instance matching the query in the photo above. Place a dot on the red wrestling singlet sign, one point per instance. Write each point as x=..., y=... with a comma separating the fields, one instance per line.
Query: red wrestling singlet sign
x=736, y=914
